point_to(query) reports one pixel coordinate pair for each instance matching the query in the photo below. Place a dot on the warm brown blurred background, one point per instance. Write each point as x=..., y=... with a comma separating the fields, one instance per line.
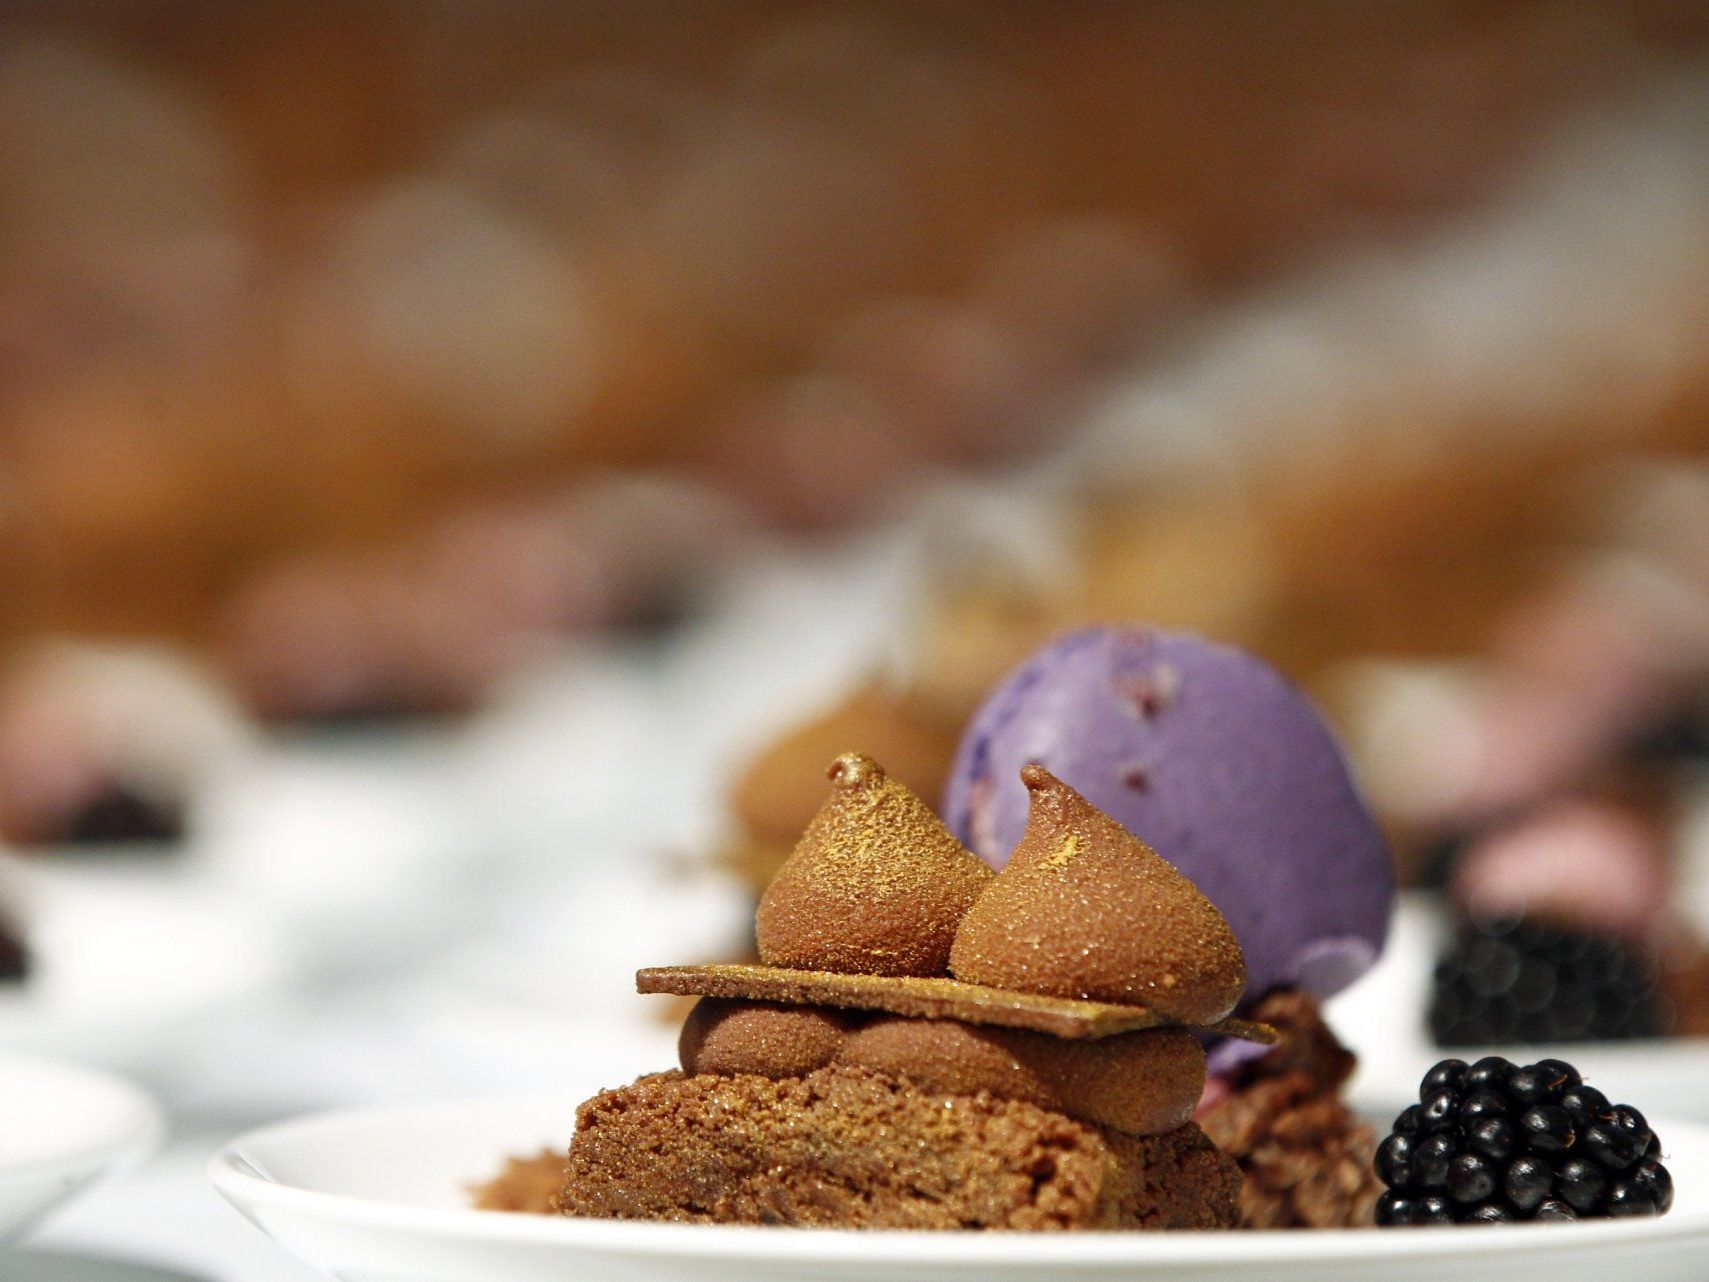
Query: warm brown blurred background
x=363, y=350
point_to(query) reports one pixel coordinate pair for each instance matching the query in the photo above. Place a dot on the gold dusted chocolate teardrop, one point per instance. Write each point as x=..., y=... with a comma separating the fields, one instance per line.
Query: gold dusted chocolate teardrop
x=1086, y=909
x=876, y=885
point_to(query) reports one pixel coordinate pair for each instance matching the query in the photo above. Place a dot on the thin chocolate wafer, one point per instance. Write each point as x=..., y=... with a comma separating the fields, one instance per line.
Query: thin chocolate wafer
x=925, y=999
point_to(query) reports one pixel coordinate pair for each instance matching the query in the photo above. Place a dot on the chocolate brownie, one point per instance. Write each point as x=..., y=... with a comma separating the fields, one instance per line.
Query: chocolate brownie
x=851, y=1148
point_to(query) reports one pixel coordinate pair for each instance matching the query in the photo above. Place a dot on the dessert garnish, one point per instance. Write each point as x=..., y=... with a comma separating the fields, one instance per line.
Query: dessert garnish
x=1086, y=933
x=876, y=885
x=926, y=998
x=1085, y=909
x=1496, y=1142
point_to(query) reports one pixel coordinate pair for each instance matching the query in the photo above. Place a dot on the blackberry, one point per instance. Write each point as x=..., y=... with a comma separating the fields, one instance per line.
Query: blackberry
x=1522, y=981
x=1495, y=1142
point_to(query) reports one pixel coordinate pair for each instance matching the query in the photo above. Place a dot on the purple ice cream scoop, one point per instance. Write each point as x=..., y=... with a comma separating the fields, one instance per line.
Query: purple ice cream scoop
x=1215, y=760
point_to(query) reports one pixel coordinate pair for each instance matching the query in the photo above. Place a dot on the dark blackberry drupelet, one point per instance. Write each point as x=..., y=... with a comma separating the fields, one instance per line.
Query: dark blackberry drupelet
x=1529, y=981
x=1496, y=1142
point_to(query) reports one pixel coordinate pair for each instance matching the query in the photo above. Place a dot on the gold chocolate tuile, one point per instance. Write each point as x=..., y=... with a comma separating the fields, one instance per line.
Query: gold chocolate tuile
x=1087, y=910
x=876, y=885
x=930, y=997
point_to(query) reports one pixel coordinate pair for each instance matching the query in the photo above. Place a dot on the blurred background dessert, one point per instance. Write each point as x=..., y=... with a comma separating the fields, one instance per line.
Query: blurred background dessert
x=277, y=376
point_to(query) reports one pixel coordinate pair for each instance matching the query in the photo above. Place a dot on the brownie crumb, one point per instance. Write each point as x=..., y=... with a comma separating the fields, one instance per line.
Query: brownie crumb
x=527, y=1184
x=1306, y=1156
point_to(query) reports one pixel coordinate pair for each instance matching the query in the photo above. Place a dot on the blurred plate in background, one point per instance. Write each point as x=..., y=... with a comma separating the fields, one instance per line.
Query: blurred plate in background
x=60, y=1127
x=124, y=953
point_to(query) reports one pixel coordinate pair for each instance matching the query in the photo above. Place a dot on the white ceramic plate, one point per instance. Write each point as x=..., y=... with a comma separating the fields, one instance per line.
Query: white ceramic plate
x=60, y=1127
x=381, y=1196
x=1382, y=1019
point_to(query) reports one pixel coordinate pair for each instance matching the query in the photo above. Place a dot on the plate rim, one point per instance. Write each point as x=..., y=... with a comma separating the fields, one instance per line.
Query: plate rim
x=250, y=1190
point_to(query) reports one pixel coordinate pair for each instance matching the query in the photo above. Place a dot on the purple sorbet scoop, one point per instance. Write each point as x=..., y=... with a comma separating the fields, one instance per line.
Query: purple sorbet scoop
x=1215, y=760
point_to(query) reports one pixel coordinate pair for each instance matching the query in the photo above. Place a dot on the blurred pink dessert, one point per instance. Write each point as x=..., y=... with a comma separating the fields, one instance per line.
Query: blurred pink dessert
x=1593, y=865
x=104, y=744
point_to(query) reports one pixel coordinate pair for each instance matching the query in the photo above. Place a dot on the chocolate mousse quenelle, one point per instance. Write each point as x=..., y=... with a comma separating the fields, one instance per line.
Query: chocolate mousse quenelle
x=1214, y=758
